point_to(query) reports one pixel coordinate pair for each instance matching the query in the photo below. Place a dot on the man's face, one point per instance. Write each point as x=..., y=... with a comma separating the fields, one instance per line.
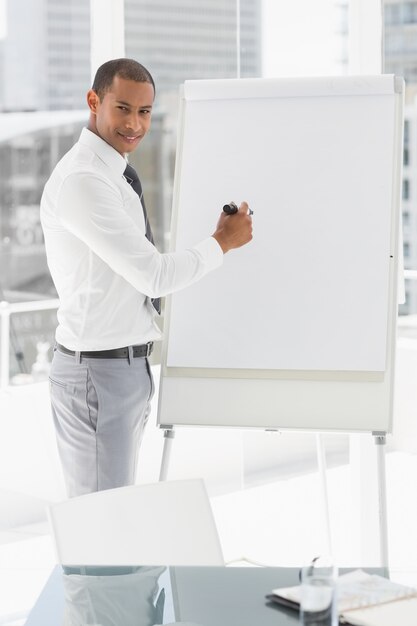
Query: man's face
x=123, y=117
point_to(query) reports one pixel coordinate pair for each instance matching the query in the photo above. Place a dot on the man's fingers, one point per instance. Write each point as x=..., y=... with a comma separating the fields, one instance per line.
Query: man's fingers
x=244, y=208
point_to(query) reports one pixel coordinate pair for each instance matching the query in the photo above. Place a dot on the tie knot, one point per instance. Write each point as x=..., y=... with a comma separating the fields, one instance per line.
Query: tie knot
x=130, y=174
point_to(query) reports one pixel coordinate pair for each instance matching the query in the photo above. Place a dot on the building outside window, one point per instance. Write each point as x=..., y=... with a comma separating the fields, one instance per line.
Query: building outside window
x=400, y=57
x=42, y=110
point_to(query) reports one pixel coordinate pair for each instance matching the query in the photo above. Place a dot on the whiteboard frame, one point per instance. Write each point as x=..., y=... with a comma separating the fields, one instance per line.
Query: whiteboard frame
x=287, y=399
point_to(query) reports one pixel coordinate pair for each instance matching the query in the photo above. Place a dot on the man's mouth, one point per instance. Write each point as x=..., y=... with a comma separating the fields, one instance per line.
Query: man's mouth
x=129, y=138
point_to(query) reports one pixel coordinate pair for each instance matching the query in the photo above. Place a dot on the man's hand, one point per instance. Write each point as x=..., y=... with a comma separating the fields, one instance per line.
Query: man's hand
x=234, y=231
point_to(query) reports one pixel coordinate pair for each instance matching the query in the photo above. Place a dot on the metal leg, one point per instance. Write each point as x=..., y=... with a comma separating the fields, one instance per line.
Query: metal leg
x=321, y=459
x=169, y=435
x=380, y=441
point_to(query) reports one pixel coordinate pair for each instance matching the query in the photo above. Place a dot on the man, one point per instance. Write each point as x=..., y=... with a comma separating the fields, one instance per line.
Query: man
x=107, y=271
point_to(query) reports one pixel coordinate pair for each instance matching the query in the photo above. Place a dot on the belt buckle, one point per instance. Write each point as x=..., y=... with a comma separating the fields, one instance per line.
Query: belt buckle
x=149, y=347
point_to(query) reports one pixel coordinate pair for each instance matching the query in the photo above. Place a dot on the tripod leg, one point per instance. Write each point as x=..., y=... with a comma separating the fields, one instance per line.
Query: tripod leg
x=169, y=435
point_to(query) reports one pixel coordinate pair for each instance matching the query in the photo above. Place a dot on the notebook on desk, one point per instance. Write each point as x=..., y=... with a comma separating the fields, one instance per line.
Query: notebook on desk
x=363, y=600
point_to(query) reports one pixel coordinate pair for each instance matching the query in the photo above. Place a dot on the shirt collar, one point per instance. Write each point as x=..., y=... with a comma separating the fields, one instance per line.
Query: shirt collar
x=105, y=152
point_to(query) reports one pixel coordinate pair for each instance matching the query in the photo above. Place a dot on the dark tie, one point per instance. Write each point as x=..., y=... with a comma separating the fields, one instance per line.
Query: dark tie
x=133, y=180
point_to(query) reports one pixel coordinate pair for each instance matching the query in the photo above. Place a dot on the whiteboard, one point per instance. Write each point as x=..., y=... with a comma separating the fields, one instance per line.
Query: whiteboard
x=297, y=329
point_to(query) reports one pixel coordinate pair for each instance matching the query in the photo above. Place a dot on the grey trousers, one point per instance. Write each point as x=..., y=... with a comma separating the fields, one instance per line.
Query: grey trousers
x=100, y=408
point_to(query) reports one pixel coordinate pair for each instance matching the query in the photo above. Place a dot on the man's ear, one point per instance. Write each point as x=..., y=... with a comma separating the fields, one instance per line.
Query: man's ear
x=92, y=100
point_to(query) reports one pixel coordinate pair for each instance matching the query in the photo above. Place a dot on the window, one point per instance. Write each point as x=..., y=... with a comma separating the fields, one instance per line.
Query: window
x=406, y=189
x=406, y=131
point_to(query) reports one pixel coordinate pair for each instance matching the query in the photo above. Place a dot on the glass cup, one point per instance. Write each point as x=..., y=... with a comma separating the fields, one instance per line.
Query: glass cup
x=318, y=605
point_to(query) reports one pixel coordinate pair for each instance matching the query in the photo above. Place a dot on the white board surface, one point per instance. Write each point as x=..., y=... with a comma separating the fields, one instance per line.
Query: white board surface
x=312, y=297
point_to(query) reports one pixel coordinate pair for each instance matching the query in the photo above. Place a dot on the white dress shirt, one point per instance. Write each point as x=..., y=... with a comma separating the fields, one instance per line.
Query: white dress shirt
x=103, y=267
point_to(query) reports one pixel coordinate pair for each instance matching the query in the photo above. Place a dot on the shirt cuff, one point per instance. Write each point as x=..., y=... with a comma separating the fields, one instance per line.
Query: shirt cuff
x=211, y=252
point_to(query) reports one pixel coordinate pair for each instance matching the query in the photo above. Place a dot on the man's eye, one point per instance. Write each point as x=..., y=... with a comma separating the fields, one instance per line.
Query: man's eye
x=122, y=108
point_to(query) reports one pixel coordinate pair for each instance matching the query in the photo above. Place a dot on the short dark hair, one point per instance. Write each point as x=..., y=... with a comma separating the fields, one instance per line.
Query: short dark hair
x=129, y=69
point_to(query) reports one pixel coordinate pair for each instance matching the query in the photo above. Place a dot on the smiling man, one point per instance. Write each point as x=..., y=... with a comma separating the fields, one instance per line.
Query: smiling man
x=121, y=110
x=109, y=275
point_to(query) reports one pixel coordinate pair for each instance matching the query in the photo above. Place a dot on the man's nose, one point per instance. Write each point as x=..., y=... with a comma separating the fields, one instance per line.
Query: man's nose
x=133, y=122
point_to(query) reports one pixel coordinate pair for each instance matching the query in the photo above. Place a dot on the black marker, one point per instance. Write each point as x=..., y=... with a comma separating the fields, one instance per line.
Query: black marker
x=230, y=208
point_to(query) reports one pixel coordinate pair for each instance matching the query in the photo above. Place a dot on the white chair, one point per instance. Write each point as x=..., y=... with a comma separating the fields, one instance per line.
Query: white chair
x=165, y=523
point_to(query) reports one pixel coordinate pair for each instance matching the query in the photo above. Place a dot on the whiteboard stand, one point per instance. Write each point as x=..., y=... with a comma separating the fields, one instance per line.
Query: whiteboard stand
x=169, y=435
x=380, y=441
x=330, y=245
x=369, y=498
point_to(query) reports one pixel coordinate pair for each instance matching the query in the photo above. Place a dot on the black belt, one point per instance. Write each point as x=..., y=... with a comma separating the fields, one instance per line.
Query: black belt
x=117, y=353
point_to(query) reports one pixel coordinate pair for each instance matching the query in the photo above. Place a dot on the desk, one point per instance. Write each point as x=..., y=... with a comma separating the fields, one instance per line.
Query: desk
x=144, y=596
x=210, y=596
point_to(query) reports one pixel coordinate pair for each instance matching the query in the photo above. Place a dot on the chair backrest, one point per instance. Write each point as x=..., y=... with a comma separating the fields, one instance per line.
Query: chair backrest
x=165, y=523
